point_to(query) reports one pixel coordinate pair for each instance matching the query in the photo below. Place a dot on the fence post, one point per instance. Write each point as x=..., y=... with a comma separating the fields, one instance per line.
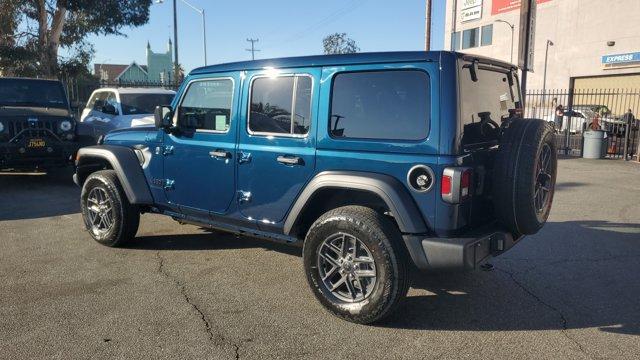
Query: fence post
x=625, y=153
x=567, y=130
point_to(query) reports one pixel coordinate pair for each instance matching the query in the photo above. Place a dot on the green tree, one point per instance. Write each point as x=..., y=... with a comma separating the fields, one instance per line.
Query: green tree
x=339, y=43
x=32, y=32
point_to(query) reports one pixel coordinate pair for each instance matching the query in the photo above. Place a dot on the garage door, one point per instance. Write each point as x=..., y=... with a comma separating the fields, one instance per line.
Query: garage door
x=618, y=93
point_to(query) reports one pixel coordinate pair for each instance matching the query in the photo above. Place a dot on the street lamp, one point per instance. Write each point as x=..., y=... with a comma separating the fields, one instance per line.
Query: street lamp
x=544, y=78
x=204, y=31
x=512, y=30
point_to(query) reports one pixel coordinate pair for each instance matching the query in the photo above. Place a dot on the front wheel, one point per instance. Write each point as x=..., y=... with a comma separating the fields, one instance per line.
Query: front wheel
x=108, y=216
x=356, y=264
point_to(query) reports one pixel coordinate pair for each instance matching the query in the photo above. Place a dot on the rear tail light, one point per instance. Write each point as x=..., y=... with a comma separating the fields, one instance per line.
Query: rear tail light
x=456, y=184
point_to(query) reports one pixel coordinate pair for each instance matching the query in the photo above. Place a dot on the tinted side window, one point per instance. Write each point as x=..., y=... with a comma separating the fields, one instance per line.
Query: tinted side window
x=207, y=105
x=392, y=105
x=280, y=105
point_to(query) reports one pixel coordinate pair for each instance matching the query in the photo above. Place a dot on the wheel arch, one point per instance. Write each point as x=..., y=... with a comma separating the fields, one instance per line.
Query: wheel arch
x=123, y=161
x=332, y=189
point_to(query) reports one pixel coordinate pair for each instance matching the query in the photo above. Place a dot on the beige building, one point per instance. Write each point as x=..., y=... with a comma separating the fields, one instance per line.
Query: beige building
x=596, y=43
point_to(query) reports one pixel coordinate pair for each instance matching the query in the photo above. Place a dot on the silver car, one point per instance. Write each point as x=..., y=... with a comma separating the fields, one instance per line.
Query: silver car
x=115, y=108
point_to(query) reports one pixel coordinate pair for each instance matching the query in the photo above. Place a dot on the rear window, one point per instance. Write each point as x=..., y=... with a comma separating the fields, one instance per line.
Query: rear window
x=35, y=93
x=390, y=105
x=488, y=94
x=495, y=91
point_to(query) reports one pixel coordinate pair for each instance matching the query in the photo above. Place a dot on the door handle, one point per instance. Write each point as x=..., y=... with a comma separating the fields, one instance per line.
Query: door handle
x=220, y=154
x=290, y=160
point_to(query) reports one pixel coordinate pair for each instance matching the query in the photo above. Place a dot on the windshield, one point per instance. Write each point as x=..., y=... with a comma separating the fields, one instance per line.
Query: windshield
x=36, y=93
x=134, y=104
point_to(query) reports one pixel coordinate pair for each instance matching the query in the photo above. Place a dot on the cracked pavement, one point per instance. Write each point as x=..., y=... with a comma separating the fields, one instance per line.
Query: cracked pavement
x=571, y=291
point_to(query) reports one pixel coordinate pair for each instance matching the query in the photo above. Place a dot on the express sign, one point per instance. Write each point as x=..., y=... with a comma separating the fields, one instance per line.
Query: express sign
x=621, y=58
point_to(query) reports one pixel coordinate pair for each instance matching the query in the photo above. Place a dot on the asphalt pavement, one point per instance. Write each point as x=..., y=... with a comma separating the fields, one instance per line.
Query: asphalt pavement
x=571, y=291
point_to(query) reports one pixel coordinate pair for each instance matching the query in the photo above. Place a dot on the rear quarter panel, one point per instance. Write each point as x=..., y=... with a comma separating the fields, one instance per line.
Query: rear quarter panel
x=391, y=157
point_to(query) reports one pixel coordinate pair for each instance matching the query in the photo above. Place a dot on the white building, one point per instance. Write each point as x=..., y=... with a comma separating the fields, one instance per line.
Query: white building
x=596, y=43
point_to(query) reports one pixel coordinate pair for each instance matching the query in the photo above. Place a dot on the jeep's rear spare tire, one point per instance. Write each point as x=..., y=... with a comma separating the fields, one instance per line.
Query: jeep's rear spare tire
x=524, y=175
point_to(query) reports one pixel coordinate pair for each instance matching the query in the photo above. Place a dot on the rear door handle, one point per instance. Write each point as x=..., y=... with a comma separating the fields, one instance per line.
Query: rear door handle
x=220, y=154
x=290, y=160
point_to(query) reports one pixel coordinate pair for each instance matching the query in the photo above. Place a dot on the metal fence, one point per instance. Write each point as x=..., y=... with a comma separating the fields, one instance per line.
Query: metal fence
x=584, y=109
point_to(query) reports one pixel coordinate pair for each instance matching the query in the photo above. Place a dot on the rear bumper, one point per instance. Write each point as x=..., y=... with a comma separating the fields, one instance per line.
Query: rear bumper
x=460, y=253
x=54, y=154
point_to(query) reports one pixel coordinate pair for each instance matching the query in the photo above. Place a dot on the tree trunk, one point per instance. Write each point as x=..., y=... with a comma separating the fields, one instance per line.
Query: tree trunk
x=49, y=38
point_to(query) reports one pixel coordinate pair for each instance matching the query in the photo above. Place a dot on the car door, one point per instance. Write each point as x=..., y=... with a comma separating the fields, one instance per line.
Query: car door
x=276, y=154
x=199, y=157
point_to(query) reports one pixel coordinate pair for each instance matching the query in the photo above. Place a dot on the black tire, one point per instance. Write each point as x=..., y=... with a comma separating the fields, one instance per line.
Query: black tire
x=384, y=244
x=124, y=216
x=517, y=178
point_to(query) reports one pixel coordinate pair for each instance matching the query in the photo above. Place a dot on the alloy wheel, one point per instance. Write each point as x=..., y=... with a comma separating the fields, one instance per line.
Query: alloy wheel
x=347, y=268
x=100, y=211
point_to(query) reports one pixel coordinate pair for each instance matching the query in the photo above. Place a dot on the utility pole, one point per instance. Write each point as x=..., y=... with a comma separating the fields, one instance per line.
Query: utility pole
x=454, y=19
x=527, y=41
x=427, y=27
x=176, y=66
x=253, y=48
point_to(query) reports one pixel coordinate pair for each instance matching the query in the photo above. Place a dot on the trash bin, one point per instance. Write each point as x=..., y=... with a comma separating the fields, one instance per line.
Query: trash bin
x=595, y=144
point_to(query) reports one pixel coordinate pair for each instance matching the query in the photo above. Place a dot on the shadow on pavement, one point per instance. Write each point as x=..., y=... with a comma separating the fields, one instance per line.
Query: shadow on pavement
x=32, y=196
x=214, y=240
x=576, y=274
x=581, y=274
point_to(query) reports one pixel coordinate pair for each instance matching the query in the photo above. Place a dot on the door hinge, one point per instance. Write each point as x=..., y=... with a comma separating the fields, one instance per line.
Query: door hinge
x=164, y=150
x=168, y=184
x=244, y=196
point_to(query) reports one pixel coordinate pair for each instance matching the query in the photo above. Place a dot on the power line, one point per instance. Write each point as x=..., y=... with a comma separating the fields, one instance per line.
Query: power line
x=328, y=19
x=253, y=48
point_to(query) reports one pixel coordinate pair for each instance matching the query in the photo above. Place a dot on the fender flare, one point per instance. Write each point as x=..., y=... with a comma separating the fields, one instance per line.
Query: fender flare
x=124, y=162
x=389, y=189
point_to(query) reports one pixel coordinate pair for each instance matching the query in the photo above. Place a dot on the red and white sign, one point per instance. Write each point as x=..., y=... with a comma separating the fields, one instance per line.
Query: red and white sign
x=503, y=6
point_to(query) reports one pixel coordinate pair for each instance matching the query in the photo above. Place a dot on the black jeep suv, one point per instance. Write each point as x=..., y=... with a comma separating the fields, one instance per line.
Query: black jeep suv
x=37, y=128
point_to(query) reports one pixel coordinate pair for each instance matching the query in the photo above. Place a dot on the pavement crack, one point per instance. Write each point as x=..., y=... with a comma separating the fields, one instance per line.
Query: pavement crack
x=214, y=336
x=563, y=318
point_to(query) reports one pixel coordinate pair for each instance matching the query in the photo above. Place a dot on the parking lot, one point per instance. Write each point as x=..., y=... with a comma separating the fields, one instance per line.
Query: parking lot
x=571, y=291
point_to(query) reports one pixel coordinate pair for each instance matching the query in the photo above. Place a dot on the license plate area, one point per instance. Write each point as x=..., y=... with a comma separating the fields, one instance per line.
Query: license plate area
x=36, y=143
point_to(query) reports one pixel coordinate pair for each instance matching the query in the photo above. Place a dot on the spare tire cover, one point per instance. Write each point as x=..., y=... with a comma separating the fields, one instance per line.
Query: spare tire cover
x=524, y=175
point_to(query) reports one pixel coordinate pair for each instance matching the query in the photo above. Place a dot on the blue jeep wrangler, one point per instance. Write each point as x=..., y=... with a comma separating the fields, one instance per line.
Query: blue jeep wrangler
x=377, y=162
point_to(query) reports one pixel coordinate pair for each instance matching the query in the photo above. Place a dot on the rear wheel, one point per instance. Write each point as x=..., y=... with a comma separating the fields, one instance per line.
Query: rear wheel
x=108, y=216
x=525, y=175
x=355, y=264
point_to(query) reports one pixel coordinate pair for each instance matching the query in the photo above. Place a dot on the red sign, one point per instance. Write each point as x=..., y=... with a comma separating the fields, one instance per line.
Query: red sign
x=503, y=6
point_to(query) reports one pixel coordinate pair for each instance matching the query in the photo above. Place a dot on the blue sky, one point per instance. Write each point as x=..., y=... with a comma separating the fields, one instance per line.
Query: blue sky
x=284, y=27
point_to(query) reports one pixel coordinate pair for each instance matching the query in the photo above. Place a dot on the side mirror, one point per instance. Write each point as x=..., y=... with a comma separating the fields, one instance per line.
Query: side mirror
x=163, y=117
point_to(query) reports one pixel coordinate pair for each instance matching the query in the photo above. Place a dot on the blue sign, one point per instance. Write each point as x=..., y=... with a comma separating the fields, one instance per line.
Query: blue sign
x=621, y=58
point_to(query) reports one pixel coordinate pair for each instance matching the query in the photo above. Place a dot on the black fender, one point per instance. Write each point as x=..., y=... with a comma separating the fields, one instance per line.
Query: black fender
x=389, y=189
x=123, y=161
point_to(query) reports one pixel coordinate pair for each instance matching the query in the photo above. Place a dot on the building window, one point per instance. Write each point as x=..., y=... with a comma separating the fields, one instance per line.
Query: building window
x=455, y=41
x=487, y=35
x=470, y=38
x=391, y=105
